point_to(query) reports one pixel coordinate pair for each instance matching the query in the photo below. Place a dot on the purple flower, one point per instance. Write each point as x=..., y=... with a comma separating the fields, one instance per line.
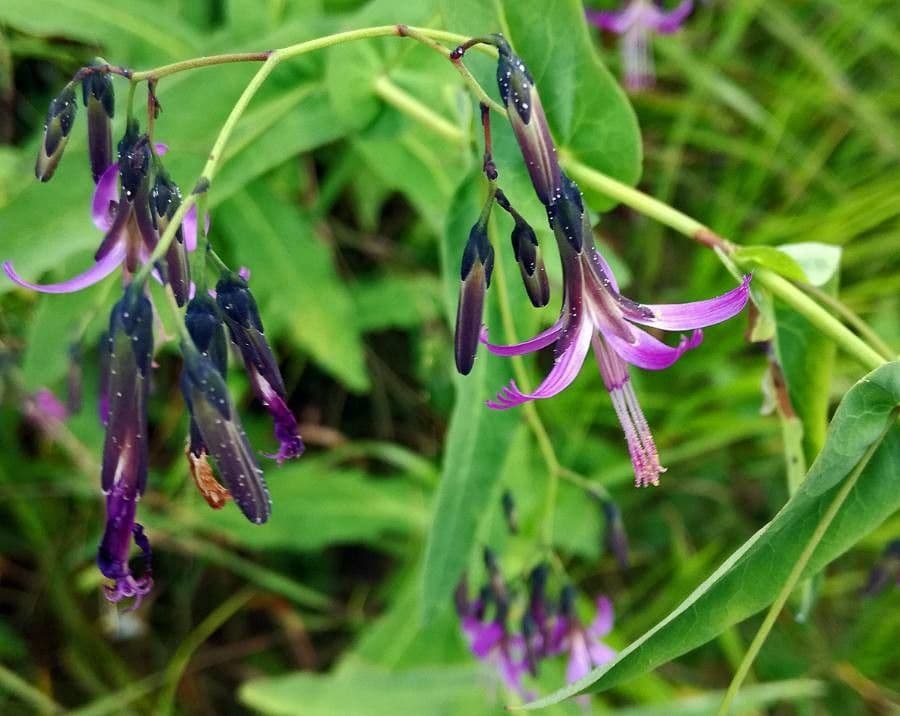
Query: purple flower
x=57, y=128
x=475, y=279
x=245, y=327
x=490, y=641
x=125, y=455
x=114, y=214
x=583, y=644
x=45, y=410
x=100, y=100
x=636, y=21
x=594, y=314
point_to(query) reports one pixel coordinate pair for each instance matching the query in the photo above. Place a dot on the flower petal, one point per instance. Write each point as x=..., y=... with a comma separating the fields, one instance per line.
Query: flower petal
x=579, y=659
x=571, y=351
x=603, y=620
x=647, y=352
x=615, y=21
x=484, y=637
x=600, y=653
x=106, y=194
x=94, y=274
x=666, y=23
x=189, y=228
x=696, y=314
x=541, y=340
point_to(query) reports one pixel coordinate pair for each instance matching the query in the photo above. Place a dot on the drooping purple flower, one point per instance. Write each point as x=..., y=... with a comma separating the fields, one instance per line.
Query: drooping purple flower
x=125, y=455
x=489, y=639
x=100, y=101
x=57, y=128
x=594, y=314
x=215, y=426
x=113, y=213
x=583, y=644
x=475, y=279
x=245, y=327
x=635, y=22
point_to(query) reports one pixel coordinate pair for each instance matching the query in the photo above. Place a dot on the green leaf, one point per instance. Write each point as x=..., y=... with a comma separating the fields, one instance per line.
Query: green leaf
x=769, y=257
x=750, y=579
x=589, y=114
x=477, y=441
x=369, y=692
x=333, y=506
x=298, y=287
x=396, y=301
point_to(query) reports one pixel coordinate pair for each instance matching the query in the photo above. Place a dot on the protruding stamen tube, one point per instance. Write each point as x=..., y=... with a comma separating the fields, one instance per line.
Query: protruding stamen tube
x=475, y=274
x=529, y=123
x=641, y=446
x=57, y=127
x=100, y=100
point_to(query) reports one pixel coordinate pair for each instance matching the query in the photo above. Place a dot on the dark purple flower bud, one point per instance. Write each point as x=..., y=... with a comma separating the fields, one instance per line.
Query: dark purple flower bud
x=509, y=512
x=616, y=539
x=221, y=433
x=245, y=327
x=567, y=602
x=204, y=324
x=567, y=217
x=100, y=100
x=537, y=603
x=528, y=255
x=530, y=637
x=124, y=471
x=526, y=116
x=57, y=127
x=475, y=272
x=165, y=198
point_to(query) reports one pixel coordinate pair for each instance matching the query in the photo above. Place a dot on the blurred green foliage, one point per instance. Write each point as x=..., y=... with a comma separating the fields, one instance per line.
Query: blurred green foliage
x=772, y=122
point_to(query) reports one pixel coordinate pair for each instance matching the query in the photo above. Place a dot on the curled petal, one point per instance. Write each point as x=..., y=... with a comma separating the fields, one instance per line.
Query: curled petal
x=666, y=23
x=647, y=352
x=541, y=340
x=696, y=314
x=571, y=352
x=106, y=194
x=96, y=273
x=603, y=620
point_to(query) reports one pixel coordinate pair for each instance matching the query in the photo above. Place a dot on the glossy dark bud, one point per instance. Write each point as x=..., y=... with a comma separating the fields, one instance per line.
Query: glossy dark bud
x=217, y=422
x=57, y=127
x=134, y=161
x=245, y=327
x=567, y=601
x=531, y=264
x=204, y=324
x=616, y=540
x=99, y=98
x=475, y=273
x=566, y=216
x=165, y=198
x=529, y=123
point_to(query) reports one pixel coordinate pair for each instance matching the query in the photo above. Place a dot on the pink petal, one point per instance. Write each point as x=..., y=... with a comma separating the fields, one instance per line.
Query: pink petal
x=600, y=653
x=541, y=340
x=696, y=314
x=666, y=23
x=579, y=659
x=161, y=148
x=106, y=194
x=603, y=620
x=616, y=21
x=647, y=352
x=189, y=228
x=485, y=638
x=568, y=364
x=94, y=274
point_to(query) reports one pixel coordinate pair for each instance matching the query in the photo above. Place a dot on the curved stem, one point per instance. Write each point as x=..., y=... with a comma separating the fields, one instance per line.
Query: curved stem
x=197, y=62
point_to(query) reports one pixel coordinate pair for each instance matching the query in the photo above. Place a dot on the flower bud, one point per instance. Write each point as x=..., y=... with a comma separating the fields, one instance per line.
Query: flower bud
x=475, y=273
x=510, y=513
x=566, y=216
x=165, y=198
x=529, y=123
x=221, y=433
x=99, y=98
x=57, y=127
x=245, y=327
x=125, y=451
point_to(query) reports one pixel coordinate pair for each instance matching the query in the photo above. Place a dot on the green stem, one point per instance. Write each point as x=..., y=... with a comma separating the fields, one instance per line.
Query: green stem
x=796, y=573
x=14, y=684
x=194, y=641
x=197, y=62
x=409, y=105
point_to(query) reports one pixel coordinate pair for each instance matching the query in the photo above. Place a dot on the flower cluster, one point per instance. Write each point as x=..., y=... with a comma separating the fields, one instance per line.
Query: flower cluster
x=594, y=313
x=546, y=629
x=135, y=203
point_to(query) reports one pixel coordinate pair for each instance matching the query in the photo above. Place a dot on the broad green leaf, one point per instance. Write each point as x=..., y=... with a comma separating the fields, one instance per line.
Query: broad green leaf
x=396, y=301
x=477, y=441
x=316, y=506
x=589, y=114
x=750, y=579
x=372, y=692
x=295, y=280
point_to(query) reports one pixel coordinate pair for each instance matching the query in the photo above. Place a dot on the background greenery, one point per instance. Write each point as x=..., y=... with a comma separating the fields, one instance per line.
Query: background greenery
x=773, y=122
